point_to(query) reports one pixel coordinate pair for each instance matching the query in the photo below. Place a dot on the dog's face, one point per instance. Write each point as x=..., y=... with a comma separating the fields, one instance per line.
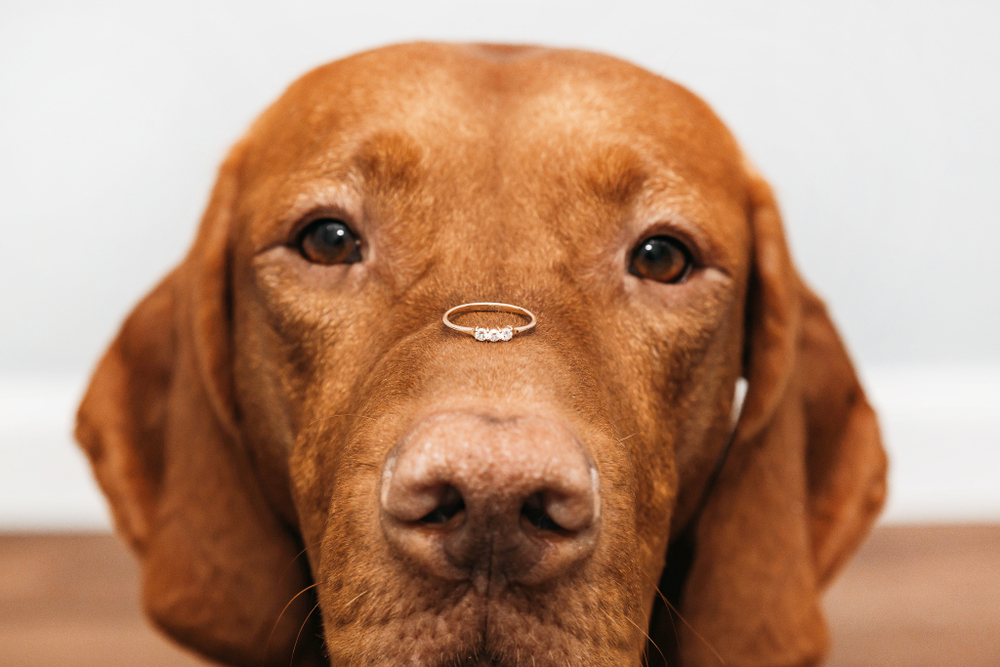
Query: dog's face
x=341, y=362
x=291, y=387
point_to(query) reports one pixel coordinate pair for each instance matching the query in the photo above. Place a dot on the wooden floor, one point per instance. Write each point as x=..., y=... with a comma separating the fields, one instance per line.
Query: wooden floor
x=914, y=597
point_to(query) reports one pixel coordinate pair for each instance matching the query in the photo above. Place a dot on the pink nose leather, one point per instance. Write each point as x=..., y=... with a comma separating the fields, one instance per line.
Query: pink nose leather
x=514, y=497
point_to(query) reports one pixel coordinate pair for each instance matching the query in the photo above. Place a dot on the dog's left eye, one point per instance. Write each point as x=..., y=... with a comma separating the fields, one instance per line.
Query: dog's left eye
x=661, y=258
x=329, y=241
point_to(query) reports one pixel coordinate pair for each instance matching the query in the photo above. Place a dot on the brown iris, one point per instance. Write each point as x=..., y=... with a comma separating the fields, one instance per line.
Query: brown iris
x=329, y=241
x=661, y=258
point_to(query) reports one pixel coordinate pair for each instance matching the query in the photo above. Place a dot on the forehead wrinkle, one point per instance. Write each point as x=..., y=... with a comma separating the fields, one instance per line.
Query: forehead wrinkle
x=341, y=193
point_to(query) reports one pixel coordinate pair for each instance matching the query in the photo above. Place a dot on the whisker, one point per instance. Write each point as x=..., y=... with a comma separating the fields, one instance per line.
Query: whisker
x=301, y=628
x=644, y=634
x=355, y=598
x=278, y=620
x=621, y=440
x=297, y=556
x=670, y=615
x=649, y=639
x=671, y=609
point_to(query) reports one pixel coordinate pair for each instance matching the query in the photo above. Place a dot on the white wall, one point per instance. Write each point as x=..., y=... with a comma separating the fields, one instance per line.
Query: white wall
x=876, y=122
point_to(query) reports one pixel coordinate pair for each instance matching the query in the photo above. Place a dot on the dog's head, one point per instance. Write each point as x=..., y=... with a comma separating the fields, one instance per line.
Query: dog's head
x=302, y=453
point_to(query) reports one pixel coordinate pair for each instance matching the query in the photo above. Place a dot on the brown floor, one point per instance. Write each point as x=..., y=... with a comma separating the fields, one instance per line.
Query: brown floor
x=914, y=597
x=919, y=597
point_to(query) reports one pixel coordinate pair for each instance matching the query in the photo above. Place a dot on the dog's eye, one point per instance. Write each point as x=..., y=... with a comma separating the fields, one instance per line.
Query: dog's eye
x=661, y=258
x=329, y=241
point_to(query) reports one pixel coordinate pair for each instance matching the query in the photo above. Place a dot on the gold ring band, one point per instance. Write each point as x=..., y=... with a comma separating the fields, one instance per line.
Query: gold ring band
x=483, y=334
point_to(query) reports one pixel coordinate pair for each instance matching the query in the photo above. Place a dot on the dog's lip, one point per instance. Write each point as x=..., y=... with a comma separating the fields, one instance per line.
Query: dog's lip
x=481, y=637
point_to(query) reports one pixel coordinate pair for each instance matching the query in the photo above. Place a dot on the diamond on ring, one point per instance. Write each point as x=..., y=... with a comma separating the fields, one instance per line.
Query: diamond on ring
x=494, y=335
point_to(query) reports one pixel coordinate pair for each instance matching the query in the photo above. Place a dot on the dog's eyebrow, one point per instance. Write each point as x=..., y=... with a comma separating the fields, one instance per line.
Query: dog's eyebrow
x=616, y=175
x=388, y=162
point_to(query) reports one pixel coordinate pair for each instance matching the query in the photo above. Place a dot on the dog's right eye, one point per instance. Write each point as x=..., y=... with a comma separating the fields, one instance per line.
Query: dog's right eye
x=329, y=241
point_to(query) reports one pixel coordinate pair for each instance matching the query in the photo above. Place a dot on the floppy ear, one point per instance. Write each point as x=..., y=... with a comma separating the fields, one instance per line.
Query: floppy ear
x=159, y=426
x=802, y=483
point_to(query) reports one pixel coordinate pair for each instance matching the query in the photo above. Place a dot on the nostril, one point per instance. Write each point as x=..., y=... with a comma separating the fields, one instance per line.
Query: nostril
x=462, y=494
x=450, y=503
x=534, y=512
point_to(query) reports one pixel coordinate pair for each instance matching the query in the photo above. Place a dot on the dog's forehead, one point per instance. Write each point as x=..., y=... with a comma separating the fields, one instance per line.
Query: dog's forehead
x=480, y=124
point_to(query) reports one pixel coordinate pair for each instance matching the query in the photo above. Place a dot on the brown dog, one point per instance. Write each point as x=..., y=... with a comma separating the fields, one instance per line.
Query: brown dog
x=314, y=469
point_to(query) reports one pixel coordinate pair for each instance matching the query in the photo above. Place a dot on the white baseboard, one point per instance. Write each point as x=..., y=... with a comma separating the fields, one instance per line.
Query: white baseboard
x=45, y=480
x=941, y=426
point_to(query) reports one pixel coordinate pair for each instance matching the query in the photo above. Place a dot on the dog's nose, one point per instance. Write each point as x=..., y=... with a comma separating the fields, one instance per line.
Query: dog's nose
x=464, y=493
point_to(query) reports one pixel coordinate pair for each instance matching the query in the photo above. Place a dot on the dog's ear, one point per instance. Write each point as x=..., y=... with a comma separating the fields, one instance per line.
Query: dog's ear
x=802, y=483
x=159, y=426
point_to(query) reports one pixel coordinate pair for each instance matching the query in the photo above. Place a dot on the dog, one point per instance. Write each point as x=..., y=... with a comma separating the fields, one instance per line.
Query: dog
x=314, y=468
